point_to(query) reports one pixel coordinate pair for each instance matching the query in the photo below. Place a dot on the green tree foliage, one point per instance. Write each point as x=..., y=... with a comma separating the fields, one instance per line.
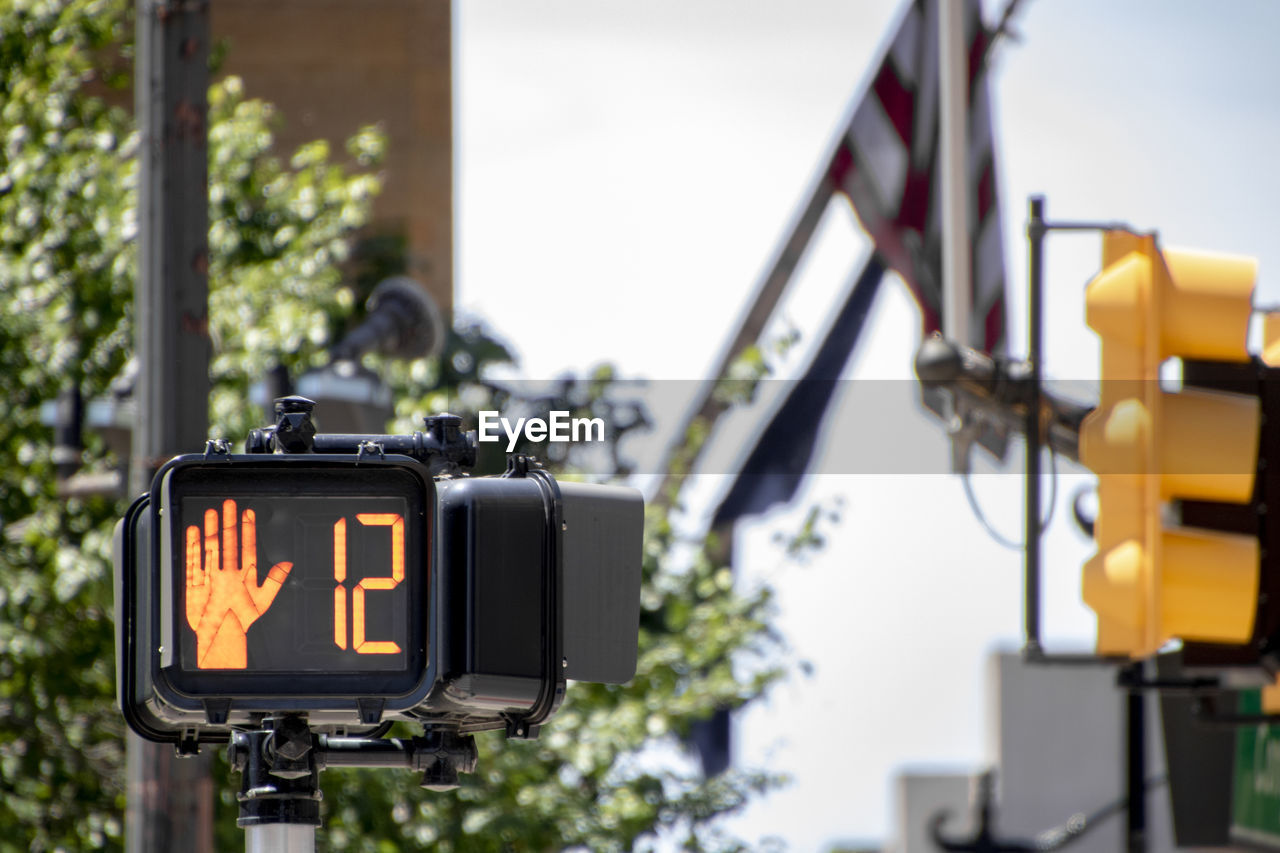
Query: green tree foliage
x=607, y=773
x=65, y=264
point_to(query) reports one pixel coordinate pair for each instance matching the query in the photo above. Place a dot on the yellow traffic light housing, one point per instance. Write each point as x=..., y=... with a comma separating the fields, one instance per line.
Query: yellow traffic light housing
x=1150, y=583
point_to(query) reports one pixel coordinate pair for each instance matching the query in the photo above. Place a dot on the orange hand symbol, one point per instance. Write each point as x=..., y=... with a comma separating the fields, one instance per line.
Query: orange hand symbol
x=223, y=595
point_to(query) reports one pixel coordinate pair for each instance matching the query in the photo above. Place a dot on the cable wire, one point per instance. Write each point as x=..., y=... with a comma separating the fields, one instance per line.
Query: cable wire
x=996, y=535
x=1080, y=823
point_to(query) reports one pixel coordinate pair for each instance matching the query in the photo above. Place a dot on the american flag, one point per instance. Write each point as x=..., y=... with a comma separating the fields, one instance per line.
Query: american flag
x=887, y=164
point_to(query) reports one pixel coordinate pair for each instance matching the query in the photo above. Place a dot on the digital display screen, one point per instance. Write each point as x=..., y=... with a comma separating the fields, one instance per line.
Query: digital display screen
x=314, y=573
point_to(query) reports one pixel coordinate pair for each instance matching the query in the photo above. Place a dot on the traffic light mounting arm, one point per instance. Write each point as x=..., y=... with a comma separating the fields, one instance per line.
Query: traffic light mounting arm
x=1037, y=229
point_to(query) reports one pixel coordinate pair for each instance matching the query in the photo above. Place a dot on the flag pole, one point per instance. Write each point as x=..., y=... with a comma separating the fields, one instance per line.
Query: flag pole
x=957, y=288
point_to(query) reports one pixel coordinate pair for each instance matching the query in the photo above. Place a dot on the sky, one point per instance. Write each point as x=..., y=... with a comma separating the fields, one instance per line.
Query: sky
x=623, y=172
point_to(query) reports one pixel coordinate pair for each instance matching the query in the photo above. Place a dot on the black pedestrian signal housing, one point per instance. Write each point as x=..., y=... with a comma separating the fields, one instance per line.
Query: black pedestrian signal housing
x=358, y=580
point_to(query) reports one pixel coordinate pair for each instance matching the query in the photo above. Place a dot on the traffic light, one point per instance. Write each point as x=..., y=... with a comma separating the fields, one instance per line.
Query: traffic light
x=361, y=579
x=1151, y=581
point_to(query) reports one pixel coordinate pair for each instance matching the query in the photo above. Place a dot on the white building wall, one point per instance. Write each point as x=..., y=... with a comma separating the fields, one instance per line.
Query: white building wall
x=918, y=796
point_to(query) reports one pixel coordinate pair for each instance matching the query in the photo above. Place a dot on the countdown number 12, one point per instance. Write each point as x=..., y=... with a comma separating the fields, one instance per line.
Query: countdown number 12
x=358, y=641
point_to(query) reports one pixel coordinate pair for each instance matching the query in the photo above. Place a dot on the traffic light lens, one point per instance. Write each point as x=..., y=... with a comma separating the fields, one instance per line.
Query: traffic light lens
x=308, y=573
x=293, y=572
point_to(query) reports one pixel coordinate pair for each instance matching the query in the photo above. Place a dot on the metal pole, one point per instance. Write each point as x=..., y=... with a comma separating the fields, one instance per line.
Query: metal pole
x=1136, y=766
x=280, y=838
x=170, y=801
x=1035, y=330
x=953, y=80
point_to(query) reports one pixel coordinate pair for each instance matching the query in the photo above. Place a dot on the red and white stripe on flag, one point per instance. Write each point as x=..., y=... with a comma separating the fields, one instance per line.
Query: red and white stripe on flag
x=887, y=164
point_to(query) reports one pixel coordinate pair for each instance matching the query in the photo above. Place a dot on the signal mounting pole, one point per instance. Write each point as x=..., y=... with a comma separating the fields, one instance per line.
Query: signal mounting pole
x=170, y=800
x=957, y=264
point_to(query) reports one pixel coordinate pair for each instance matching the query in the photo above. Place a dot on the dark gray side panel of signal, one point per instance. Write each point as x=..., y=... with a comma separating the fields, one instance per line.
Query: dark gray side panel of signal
x=118, y=570
x=506, y=593
x=602, y=550
x=134, y=559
